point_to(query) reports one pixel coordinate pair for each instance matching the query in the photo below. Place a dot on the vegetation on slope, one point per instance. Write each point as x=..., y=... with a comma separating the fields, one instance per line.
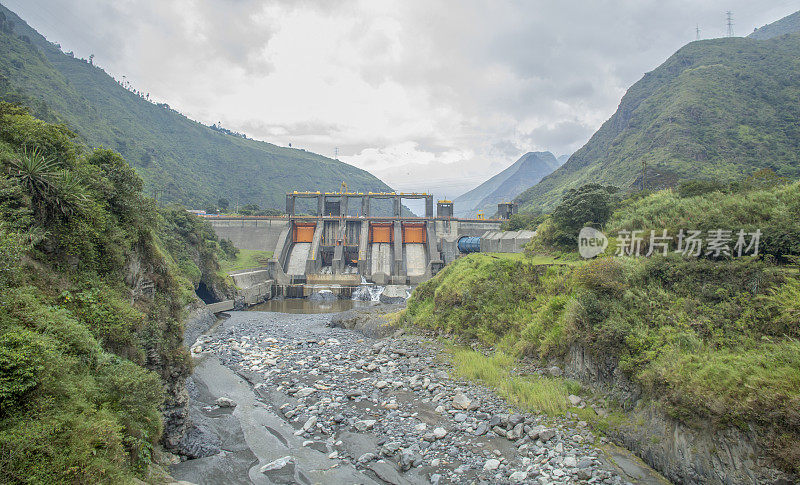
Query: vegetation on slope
x=711, y=340
x=91, y=304
x=787, y=25
x=245, y=259
x=722, y=108
x=179, y=159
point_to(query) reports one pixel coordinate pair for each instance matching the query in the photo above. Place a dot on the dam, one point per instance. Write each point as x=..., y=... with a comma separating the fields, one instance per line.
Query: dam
x=338, y=241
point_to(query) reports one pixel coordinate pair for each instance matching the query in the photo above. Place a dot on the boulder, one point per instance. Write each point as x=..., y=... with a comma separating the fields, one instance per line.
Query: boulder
x=518, y=476
x=225, y=402
x=461, y=401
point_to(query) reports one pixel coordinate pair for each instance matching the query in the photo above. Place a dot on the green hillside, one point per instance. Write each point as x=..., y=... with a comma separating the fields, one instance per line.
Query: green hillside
x=94, y=283
x=185, y=160
x=717, y=109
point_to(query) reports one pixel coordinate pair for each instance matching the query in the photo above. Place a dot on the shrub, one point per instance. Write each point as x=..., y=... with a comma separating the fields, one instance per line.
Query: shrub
x=21, y=363
x=111, y=320
x=604, y=275
x=693, y=188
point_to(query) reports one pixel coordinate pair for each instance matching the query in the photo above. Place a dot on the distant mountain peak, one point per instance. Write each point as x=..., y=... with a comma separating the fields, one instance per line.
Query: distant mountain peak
x=503, y=187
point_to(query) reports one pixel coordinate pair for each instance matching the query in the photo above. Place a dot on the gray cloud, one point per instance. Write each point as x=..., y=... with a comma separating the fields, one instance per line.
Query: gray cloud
x=447, y=92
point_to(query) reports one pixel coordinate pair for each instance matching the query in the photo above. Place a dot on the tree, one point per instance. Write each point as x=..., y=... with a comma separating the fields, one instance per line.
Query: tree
x=590, y=204
x=249, y=209
x=524, y=220
x=223, y=204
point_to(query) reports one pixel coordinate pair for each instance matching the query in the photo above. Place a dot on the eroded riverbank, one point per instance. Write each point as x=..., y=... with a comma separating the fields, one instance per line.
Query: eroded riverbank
x=316, y=404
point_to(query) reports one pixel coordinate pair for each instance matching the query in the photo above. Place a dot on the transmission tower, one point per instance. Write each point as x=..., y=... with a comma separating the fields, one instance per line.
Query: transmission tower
x=336, y=153
x=697, y=31
x=729, y=16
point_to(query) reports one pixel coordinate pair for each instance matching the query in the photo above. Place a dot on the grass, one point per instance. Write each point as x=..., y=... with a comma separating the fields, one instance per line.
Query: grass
x=245, y=259
x=538, y=259
x=531, y=393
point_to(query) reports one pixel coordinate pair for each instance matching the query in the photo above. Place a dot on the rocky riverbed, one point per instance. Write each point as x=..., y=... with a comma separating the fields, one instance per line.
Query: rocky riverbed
x=287, y=398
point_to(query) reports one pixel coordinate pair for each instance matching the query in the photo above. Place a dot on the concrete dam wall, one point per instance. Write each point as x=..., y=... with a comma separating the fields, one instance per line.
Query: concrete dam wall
x=343, y=245
x=260, y=234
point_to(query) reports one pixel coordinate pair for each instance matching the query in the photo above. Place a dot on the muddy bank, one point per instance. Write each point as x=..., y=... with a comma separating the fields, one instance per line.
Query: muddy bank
x=703, y=453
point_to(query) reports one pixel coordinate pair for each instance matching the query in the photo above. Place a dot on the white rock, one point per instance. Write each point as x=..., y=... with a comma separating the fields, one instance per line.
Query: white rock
x=461, y=401
x=420, y=427
x=381, y=384
x=436, y=462
x=519, y=476
x=305, y=392
x=312, y=421
x=546, y=435
x=491, y=464
x=278, y=464
x=439, y=433
x=225, y=402
x=570, y=461
x=364, y=424
x=574, y=400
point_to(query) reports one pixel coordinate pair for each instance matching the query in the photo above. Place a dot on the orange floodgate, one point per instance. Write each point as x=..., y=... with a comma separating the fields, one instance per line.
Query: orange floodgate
x=414, y=233
x=304, y=233
x=380, y=233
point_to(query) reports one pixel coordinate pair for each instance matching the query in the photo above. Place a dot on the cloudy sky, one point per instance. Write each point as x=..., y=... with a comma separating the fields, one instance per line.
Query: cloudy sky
x=428, y=95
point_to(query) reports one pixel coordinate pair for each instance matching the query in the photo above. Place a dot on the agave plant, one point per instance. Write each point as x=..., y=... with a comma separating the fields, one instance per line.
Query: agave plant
x=35, y=173
x=52, y=192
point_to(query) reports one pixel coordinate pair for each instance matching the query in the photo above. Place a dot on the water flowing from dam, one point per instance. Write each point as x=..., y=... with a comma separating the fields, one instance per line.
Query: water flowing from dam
x=368, y=291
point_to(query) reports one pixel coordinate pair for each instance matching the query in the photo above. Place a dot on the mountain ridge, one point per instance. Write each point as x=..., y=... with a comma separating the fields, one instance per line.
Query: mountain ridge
x=787, y=25
x=720, y=108
x=180, y=159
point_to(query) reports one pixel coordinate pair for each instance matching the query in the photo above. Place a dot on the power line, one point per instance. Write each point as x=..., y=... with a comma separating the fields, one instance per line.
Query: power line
x=729, y=16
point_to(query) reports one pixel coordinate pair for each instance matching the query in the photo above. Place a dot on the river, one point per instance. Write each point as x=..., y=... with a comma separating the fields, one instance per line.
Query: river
x=285, y=398
x=305, y=306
